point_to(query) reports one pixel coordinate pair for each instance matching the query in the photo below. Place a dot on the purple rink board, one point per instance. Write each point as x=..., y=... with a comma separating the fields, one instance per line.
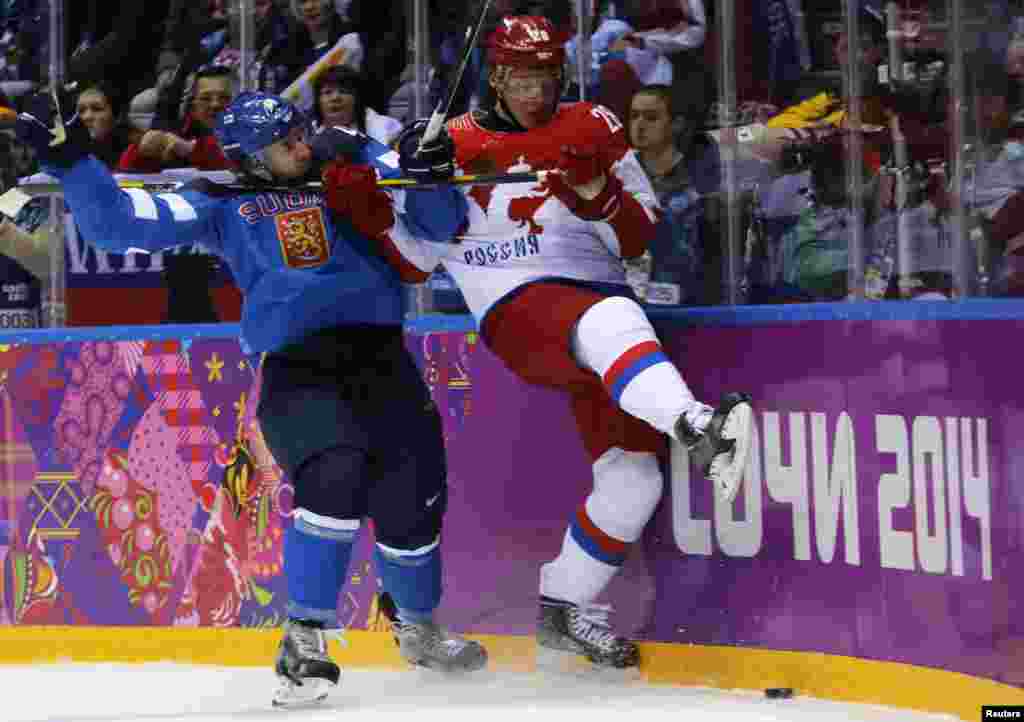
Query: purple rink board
x=921, y=569
x=119, y=504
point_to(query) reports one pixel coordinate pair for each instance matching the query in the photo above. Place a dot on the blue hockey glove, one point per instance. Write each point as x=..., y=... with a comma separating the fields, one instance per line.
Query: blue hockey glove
x=55, y=142
x=335, y=143
x=437, y=159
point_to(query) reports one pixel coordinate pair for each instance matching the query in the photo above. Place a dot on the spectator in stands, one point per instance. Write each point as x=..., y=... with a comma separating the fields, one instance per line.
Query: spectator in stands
x=668, y=144
x=25, y=271
x=993, y=200
x=682, y=166
x=117, y=43
x=671, y=144
x=317, y=29
x=271, y=26
x=675, y=29
x=193, y=144
x=101, y=109
x=340, y=103
x=382, y=28
x=26, y=52
x=642, y=65
x=448, y=21
x=781, y=47
x=828, y=107
x=24, y=257
x=186, y=46
x=195, y=30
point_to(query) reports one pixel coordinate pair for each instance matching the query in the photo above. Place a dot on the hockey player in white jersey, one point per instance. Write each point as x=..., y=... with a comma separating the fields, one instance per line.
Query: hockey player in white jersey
x=541, y=268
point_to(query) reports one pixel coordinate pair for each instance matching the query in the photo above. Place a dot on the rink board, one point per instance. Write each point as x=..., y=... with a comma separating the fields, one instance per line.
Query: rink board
x=906, y=597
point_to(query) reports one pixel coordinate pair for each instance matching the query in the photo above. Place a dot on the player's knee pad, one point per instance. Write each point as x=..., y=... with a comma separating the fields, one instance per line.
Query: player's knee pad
x=608, y=330
x=325, y=527
x=408, y=556
x=419, y=536
x=333, y=483
x=627, y=488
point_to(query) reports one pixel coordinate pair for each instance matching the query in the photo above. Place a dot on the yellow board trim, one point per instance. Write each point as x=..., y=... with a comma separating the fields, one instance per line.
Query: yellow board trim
x=811, y=674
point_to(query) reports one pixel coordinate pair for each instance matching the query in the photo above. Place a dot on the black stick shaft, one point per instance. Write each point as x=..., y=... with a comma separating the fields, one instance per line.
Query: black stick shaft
x=47, y=188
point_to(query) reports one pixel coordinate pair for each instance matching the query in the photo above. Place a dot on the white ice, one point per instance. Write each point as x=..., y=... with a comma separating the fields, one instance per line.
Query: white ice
x=185, y=693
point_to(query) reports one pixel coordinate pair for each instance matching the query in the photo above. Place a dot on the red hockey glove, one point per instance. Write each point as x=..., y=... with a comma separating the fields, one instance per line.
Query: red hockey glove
x=585, y=184
x=582, y=164
x=352, y=192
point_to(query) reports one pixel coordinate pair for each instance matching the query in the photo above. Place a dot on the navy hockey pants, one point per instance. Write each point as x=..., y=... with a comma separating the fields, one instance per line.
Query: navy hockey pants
x=349, y=418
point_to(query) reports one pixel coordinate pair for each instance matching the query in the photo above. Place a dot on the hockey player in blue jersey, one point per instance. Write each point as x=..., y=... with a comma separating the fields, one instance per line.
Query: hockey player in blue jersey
x=326, y=309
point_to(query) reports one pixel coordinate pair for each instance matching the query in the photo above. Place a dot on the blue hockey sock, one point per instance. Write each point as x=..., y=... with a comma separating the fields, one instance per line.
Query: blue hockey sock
x=412, y=578
x=317, y=550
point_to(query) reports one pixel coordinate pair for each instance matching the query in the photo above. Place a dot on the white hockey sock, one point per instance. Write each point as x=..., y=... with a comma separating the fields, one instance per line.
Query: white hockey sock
x=575, y=576
x=616, y=341
x=627, y=487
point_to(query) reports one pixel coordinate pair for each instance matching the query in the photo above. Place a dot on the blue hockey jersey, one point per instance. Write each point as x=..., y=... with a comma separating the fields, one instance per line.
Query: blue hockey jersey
x=300, y=266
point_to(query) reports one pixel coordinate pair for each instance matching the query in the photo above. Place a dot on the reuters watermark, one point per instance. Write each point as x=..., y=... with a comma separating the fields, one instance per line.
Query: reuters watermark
x=1002, y=712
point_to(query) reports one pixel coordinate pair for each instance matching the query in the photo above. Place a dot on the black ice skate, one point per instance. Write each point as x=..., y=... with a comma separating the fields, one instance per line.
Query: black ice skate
x=720, y=450
x=425, y=644
x=565, y=629
x=303, y=667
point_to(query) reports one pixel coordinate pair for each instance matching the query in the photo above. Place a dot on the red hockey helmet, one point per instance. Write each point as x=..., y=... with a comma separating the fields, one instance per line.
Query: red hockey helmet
x=526, y=41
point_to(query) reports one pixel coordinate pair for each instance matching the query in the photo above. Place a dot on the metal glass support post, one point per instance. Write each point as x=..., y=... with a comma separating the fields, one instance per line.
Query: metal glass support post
x=583, y=14
x=854, y=147
x=732, y=266
x=247, y=50
x=963, y=258
x=54, y=305
x=419, y=41
x=417, y=296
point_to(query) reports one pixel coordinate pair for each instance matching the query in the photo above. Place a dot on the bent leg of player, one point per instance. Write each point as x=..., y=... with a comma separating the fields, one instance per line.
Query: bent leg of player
x=326, y=459
x=615, y=339
x=627, y=479
x=407, y=504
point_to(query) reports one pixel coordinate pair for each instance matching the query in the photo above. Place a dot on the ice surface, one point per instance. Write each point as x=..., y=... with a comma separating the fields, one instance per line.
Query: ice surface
x=186, y=693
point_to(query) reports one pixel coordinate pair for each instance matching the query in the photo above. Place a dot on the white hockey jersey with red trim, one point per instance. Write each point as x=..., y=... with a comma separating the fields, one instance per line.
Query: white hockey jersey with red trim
x=519, y=232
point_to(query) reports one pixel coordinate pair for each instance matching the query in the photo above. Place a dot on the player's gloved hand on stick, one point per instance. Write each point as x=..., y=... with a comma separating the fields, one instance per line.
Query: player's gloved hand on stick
x=55, y=143
x=437, y=159
x=334, y=143
x=583, y=181
x=352, y=191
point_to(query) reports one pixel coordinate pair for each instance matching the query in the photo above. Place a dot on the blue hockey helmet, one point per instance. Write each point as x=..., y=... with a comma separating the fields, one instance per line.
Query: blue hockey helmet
x=250, y=123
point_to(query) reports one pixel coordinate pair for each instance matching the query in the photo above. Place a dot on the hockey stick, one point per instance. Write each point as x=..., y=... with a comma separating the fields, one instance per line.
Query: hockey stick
x=27, y=190
x=440, y=114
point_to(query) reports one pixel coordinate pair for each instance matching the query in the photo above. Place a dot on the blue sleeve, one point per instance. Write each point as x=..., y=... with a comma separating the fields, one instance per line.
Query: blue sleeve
x=431, y=214
x=117, y=219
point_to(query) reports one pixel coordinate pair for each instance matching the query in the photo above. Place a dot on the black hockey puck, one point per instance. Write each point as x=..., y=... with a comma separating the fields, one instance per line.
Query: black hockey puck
x=778, y=692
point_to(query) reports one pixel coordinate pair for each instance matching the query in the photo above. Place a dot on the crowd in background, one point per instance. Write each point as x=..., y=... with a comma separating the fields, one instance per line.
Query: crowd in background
x=149, y=78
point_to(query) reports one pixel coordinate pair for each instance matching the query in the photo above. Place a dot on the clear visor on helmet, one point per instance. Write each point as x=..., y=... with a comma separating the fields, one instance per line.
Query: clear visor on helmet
x=530, y=83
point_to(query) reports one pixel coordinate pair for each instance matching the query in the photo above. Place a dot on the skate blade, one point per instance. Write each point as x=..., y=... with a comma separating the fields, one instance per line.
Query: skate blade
x=727, y=469
x=312, y=692
x=555, y=663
